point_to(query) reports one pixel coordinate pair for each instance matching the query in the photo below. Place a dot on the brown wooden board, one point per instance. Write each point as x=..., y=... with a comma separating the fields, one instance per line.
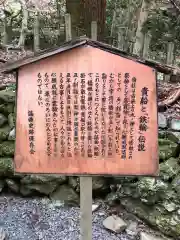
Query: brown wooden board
x=86, y=111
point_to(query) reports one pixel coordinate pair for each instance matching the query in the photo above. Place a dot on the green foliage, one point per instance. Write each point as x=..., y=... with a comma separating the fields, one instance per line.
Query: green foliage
x=164, y=26
x=163, y=23
x=11, y=87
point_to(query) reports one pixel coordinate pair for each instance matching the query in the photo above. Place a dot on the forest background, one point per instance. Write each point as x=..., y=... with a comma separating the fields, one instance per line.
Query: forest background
x=126, y=24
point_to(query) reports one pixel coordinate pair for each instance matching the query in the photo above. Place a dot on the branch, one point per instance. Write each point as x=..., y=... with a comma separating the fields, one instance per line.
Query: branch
x=16, y=14
x=173, y=2
x=2, y=2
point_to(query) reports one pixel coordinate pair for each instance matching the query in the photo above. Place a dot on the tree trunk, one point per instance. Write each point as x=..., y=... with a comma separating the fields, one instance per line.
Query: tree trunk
x=83, y=12
x=74, y=8
x=23, y=27
x=113, y=25
x=138, y=46
x=36, y=32
x=126, y=24
x=94, y=11
x=58, y=6
x=5, y=32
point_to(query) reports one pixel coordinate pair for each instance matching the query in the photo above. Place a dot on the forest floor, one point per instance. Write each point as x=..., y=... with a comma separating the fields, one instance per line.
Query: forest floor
x=40, y=218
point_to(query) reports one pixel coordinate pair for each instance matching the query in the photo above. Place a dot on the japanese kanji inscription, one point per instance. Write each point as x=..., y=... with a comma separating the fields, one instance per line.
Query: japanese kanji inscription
x=86, y=111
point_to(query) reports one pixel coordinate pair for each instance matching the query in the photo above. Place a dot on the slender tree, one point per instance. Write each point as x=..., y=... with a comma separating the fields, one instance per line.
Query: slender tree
x=36, y=32
x=24, y=24
x=143, y=15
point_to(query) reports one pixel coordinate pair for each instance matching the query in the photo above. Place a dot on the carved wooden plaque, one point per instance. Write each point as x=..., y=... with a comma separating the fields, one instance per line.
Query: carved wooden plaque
x=86, y=111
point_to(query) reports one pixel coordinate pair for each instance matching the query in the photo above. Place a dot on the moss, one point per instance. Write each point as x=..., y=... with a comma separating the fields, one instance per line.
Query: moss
x=39, y=179
x=167, y=151
x=176, y=184
x=162, y=134
x=65, y=194
x=3, y=120
x=6, y=167
x=4, y=133
x=173, y=136
x=7, y=96
x=169, y=224
x=169, y=169
x=45, y=188
x=164, y=142
x=99, y=183
x=12, y=185
x=157, y=216
x=7, y=148
x=152, y=191
x=11, y=120
x=6, y=109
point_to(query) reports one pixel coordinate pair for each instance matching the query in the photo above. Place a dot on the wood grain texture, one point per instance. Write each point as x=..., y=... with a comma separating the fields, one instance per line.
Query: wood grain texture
x=85, y=59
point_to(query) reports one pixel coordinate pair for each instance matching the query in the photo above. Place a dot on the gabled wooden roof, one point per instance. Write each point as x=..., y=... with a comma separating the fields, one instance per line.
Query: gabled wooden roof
x=9, y=67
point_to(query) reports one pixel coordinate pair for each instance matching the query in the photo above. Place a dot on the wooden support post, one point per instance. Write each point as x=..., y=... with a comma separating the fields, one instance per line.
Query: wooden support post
x=68, y=27
x=170, y=57
x=86, y=208
x=85, y=182
x=86, y=185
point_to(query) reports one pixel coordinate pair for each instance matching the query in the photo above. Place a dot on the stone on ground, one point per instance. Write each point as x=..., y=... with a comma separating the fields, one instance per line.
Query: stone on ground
x=1, y=185
x=44, y=188
x=176, y=184
x=162, y=120
x=167, y=149
x=95, y=207
x=3, y=235
x=173, y=136
x=99, y=183
x=35, y=178
x=175, y=124
x=74, y=183
x=66, y=194
x=12, y=135
x=7, y=148
x=12, y=185
x=115, y=224
x=132, y=229
x=169, y=206
x=7, y=96
x=169, y=169
x=11, y=120
x=145, y=236
x=6, y=167
x=3, y=119
x=6, y=108
x=4, y=133
x=25, y=191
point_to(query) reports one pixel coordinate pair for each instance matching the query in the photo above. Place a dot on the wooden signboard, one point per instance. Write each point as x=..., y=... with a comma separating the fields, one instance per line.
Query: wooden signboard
x=86, y=111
